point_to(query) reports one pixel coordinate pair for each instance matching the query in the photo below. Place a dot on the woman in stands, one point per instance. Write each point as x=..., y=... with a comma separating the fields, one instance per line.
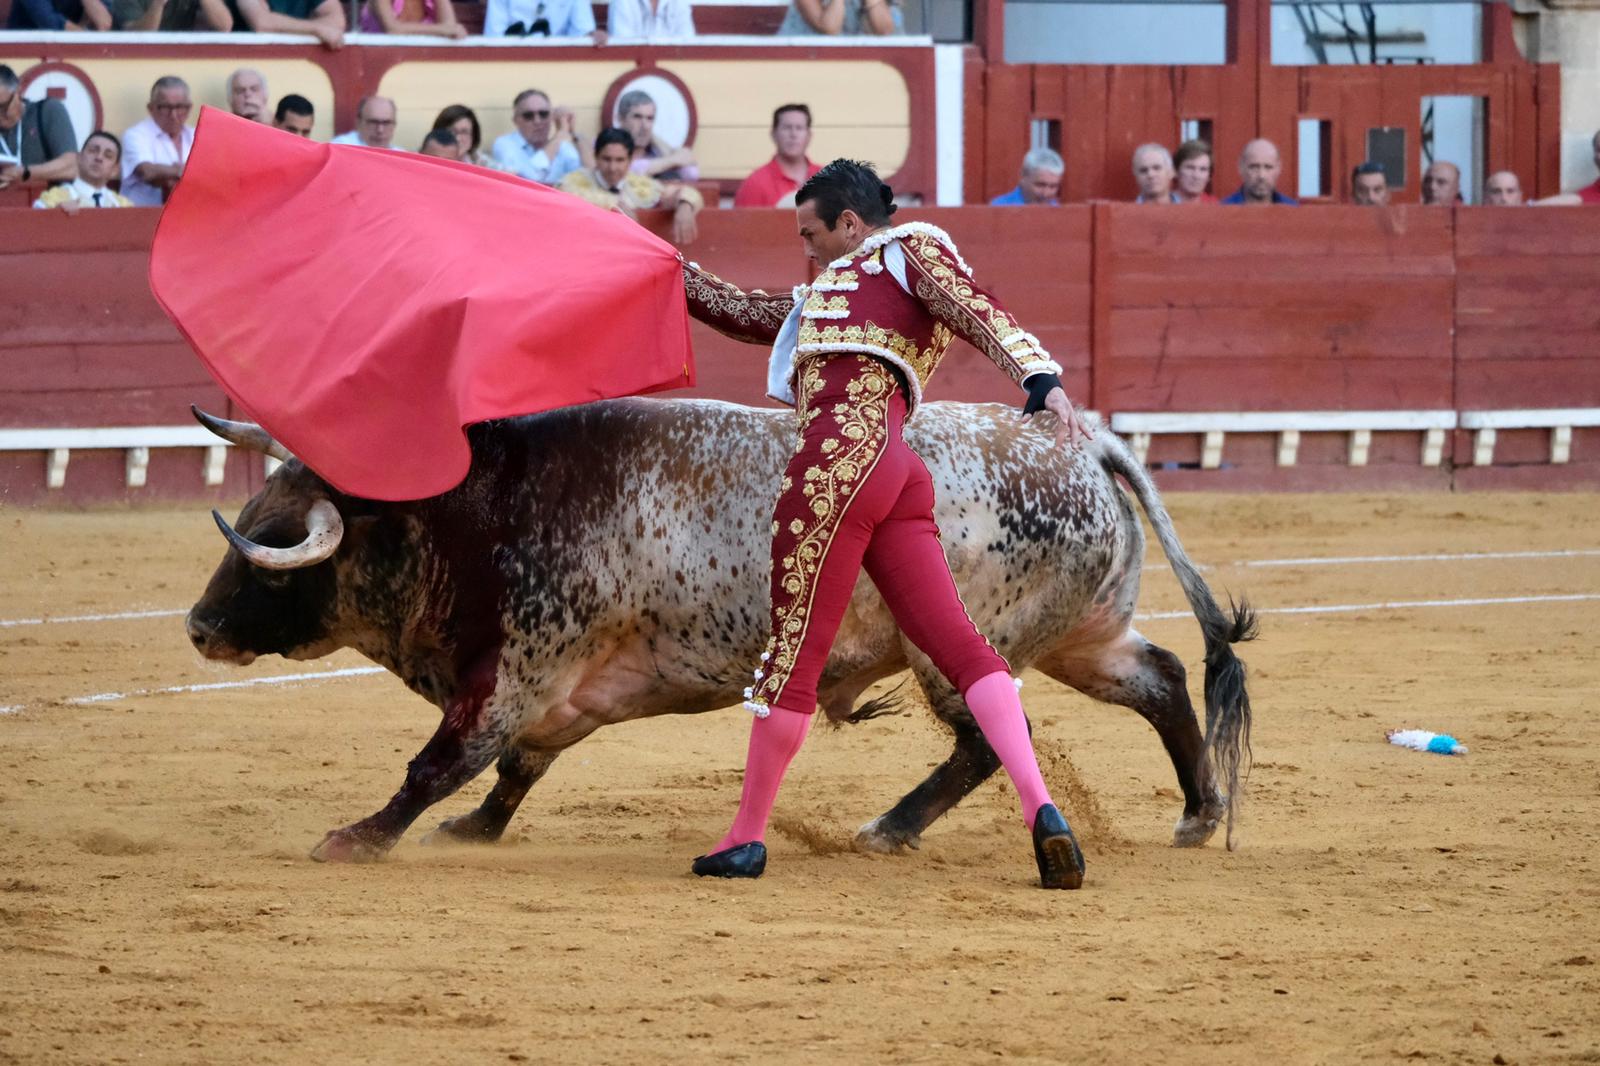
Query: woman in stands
x=462, y=121
x=428, y=18
x=846, y=18
x=1192, y=161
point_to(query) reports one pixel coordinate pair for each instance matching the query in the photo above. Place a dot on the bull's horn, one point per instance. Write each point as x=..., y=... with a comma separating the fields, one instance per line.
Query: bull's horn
x=324, y=529
x=244, y=434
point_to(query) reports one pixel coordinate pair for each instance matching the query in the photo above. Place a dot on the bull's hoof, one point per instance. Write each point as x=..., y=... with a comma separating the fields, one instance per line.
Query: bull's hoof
x=468, y=829
x=1194, y=830
x=342, y=845
x=1056, y=850
x=879, y=839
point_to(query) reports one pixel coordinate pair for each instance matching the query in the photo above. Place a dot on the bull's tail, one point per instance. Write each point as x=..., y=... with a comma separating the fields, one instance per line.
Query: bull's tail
x=1227, y=701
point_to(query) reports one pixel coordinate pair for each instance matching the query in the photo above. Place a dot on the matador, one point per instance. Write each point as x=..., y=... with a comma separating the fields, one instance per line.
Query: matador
x=852, y=352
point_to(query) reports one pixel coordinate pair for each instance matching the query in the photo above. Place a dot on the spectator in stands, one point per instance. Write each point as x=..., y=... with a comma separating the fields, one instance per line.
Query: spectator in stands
x=1589, y=194
x=154, y=151
x=653, y=157
x=171, y=15
x=99, y=161
x=1369, y=185
x=462, y=123
x=441, y=144
x=650, y=20
x=1259, y=167
x=611, y=184
x=296, y=115
x=375, y=122
x=1040, y=180
x=1503, y=189
x=775, y=184
x=59, y=15
x=322, y=19
x=847, y=18
x=544, y=146
x=1192, y=161
x=1441, y=184
x=247, y=94
x=36, y=138
x=541, y=18
x=1153, y=170
x=438, y=19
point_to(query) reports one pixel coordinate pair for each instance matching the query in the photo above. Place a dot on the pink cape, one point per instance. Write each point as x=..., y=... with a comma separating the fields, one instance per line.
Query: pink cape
x=364, y=305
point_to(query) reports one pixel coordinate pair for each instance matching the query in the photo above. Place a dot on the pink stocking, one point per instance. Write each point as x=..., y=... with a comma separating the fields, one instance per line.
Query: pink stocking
x=994, y=703
x=774, y=742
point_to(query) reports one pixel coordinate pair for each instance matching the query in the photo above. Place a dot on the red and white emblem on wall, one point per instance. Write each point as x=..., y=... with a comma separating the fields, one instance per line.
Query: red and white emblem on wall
x=676, y=121
x=70, y=85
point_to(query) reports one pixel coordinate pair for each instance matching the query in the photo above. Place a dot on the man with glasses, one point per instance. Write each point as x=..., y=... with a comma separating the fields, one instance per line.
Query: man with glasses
x=375, y=122
x=154, y=151
x=544, y=147
x=36, y=138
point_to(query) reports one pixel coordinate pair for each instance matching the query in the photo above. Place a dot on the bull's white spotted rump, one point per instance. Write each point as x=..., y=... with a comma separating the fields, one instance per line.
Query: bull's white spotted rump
x=610, y=562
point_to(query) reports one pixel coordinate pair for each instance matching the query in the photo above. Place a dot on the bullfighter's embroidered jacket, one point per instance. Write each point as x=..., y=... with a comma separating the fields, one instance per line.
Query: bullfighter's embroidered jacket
x=901, y=296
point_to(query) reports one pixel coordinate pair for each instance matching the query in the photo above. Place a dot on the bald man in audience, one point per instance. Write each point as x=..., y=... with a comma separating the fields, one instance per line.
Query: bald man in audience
x=1502, y=190
x=1259, y=167
x=1441, y=184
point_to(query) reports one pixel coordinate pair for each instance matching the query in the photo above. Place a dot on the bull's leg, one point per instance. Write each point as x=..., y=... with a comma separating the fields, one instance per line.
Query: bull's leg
x=468, y=738
x=1132, y=672
x=970, y=764
x=519, y=769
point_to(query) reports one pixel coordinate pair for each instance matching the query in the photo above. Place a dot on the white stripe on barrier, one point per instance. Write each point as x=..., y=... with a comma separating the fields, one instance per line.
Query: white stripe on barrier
x=117, y=617
x=1395, y=605
x=212, y=686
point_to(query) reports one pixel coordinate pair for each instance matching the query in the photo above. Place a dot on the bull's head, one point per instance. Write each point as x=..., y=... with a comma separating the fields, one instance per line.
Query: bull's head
x=272, y=593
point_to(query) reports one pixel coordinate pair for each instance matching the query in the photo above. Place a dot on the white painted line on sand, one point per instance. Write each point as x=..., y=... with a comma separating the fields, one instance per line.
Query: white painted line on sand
x=117, y=617
x=1350, y=560
x=13, y=709
x=213, y=686
x=1396, y=605
x=1357, y=560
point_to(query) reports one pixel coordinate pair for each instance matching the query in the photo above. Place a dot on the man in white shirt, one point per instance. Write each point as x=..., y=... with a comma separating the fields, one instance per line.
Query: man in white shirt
x=649, y=20
x=544, y=146
x=541, y=18
x=154, y=151
x=375, y=121
x=98, y=162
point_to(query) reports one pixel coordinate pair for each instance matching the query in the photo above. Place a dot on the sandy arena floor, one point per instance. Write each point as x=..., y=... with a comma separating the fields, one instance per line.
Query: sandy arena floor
x=157, y=905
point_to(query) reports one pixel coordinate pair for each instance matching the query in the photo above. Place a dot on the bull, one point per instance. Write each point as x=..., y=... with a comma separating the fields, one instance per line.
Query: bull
x=608, y=562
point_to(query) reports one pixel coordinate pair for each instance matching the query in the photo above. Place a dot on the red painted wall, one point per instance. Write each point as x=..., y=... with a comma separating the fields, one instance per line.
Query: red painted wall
x=1152, y=309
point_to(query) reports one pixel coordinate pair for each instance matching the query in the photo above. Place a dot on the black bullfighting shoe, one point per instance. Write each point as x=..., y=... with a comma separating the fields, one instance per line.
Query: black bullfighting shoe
x=1056, y=849
x=746, y=860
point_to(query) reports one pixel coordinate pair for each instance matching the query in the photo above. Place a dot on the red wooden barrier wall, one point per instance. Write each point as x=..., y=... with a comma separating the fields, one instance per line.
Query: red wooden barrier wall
x=1149, y=309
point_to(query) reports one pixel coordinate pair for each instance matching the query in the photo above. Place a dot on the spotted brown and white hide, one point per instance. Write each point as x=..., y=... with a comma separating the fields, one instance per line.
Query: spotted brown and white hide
x=610, y=562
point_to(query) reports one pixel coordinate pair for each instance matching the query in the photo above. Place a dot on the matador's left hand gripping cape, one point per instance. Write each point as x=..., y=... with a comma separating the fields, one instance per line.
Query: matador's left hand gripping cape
x=902, y=296
x=364, y=305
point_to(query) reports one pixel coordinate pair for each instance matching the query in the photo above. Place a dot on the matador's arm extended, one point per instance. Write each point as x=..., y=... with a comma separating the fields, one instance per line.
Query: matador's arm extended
x=754, y=317
x=938, y=278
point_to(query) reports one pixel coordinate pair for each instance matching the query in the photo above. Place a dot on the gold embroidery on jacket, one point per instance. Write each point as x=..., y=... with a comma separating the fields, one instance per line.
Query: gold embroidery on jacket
x=950, y=296
x=828, y=487
x=733, y=311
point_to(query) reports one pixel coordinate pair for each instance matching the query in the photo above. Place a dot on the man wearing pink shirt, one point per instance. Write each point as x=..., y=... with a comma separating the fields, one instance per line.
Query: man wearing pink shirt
x=775, y=184
x=154, y=151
